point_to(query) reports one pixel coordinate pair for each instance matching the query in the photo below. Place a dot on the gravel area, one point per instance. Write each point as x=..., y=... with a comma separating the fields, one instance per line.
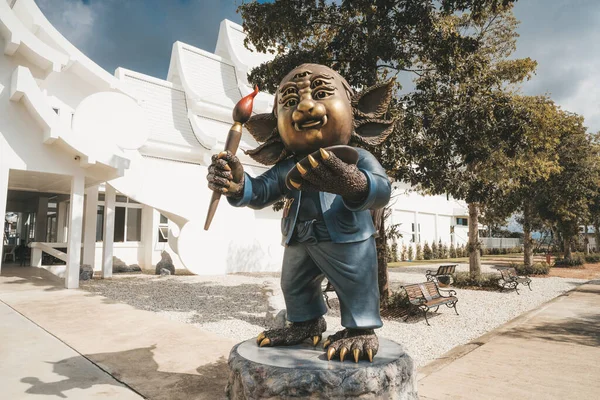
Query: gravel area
x=235, y=305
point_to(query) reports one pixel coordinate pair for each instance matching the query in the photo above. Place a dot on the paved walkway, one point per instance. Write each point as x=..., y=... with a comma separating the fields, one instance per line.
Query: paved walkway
x=552, y=352
x=73, y=344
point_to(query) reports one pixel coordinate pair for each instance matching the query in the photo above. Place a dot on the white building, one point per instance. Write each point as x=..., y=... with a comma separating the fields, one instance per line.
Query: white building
x=100, y=165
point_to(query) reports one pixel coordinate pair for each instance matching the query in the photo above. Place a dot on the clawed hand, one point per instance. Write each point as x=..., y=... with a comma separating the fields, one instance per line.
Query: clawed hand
x=331, y=175
x=226, y=174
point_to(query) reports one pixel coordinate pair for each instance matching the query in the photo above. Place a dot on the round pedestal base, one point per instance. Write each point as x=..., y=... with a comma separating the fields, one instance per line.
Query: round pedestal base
x=302, y=371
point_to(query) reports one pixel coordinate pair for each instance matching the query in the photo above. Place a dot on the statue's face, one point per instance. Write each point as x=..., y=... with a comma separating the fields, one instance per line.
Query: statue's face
x=313, y=109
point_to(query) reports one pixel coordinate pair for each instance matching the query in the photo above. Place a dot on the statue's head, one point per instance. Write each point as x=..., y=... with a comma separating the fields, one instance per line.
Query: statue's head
x=314, y=108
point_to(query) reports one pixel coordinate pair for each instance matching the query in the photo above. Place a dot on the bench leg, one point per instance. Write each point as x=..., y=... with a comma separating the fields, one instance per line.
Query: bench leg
x=516, y=289
x=425, y=313
x=454, y=306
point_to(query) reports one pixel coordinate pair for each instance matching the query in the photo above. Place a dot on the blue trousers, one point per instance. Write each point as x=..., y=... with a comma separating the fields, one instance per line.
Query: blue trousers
x=350, y=267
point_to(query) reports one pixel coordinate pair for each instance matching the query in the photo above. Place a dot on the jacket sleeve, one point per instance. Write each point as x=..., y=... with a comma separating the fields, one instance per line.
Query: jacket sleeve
x=379, y=186
x=261, y=191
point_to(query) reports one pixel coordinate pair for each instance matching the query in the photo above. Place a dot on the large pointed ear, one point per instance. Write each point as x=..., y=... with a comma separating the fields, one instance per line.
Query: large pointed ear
x=261, y=126
x=372, y=132
x=270, y=152
x=374, y=101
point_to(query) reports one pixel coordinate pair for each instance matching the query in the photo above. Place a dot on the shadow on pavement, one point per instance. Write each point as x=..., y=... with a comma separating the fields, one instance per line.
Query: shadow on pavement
x=138, y=370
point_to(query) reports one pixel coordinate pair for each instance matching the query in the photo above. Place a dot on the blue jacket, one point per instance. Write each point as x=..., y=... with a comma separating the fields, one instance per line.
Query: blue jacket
x=346, y=223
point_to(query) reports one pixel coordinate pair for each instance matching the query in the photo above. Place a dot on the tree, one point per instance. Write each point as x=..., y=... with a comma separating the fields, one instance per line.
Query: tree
x=419, y=255
x=420, y=37
x=452, y=250
x=427, y=252
x=568, y=195
x=469, y=136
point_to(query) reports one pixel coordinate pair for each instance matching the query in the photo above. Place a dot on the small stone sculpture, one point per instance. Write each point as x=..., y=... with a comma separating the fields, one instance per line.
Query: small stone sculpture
x=165, y=263
x=326, y=226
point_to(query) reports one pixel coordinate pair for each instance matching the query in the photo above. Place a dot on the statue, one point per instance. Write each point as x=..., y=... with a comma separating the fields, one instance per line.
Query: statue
x=328, y=189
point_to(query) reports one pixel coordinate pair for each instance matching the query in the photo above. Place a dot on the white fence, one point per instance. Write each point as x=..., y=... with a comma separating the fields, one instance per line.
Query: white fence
x=500, y=243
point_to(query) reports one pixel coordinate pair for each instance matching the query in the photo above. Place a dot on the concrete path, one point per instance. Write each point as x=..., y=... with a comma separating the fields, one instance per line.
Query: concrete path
x=153, y=356
x=552, y=352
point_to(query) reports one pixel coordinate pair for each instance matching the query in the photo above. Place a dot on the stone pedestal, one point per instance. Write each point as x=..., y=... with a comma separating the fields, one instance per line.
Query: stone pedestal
x=302, y=371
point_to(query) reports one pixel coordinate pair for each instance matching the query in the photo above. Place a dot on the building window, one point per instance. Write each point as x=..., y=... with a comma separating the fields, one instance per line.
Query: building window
x=462, y=221
x=128, y=220
x=416, y=235
x=163, y=229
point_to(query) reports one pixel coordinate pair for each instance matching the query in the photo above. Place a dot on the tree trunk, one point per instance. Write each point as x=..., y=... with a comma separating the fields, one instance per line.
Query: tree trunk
x=381, y=244
x=474, y=254
x=586, y=241
x=597, y=234
x=527, y=241
x=567, y=245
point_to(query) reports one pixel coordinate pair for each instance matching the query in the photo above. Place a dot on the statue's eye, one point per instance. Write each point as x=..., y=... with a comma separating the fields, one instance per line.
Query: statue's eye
x=321, y=94
x=291, y=103
x=317, y=82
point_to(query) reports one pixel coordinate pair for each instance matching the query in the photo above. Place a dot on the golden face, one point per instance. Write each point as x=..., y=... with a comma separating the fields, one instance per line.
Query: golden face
x=313, y=109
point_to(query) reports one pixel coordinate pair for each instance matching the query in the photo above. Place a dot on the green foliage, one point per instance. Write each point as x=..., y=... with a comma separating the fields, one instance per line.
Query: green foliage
x=394, y=251
x=419, y=252
x=404, y=254
x=410, y=252
x=445, y=252
x=592, y=258
x=435, y=255
x=427, y=252
x=540, y=268
x=483, y=281
x=576, y=261
x=452, y=251
x=396, y=305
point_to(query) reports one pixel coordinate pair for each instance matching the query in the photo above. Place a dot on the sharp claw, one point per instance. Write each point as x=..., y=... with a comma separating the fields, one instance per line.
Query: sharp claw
x=312, y=161
x=301, y=169
x=326, y=343
x=316, y=339
x=295, y=184
x=330, y=353
x=324, y=154
x=370, y=354
x=225, y=190
x=343, y=352
x=223, y=153
x=227, y=167
x=356, y=353
x=260, y=337
x=265, y=342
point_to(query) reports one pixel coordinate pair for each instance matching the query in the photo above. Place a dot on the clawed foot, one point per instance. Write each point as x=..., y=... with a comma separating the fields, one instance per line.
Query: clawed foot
x=296, y=333
x=360, y=342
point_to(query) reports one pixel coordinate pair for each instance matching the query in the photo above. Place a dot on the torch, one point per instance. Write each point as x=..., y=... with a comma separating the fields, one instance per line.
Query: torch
x=241, y=114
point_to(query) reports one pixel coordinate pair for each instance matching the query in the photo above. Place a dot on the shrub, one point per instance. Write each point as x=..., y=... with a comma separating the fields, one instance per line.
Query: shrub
x=411, y=253
x=394, y=252
x=403, y=254
x=452, y=251
x=592, y=258
x=396, y=305
x=540, y=268
x=483, y=281
x=427, y=253
x=419, y=252
x=440, y=250
x=445, y=251
x=434, y=251
x=576, y=261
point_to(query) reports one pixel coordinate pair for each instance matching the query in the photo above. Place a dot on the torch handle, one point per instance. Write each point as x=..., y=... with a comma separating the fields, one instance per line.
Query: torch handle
x=231, y=144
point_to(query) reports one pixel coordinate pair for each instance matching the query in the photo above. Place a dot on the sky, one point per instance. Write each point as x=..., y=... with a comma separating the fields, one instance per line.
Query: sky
x=563, y=36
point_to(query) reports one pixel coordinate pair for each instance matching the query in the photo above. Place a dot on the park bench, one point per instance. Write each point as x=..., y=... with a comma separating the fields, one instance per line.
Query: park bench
x=510, y=280
x=426, y=296
x=442, y=271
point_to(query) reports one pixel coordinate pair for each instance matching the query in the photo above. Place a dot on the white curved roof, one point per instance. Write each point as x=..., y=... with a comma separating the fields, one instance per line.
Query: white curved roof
x=164, y=105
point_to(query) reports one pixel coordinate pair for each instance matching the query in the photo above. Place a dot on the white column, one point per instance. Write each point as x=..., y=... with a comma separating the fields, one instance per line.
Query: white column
x=417, y=231
x=61, y=236
x=89, y=235
x=75, y=231
x=3, y=195
x=41, y=219
x=109, y=231
x=148, y=235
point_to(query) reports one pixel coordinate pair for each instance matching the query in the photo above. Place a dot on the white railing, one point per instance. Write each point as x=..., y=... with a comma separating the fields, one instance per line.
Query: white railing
x=37, y=248
x=500, y=243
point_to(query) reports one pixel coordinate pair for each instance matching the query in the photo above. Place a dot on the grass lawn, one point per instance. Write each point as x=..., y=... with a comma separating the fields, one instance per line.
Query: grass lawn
x=487, y=258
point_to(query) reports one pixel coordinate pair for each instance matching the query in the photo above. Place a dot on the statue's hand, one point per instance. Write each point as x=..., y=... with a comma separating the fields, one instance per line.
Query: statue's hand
x=226, y=175
x=330, y=174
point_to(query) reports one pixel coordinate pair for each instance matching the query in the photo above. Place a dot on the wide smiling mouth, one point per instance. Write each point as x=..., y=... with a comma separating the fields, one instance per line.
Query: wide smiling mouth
x=310, y=124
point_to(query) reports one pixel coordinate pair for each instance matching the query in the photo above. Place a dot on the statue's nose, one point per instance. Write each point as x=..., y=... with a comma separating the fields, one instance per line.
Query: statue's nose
x=308, y=109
